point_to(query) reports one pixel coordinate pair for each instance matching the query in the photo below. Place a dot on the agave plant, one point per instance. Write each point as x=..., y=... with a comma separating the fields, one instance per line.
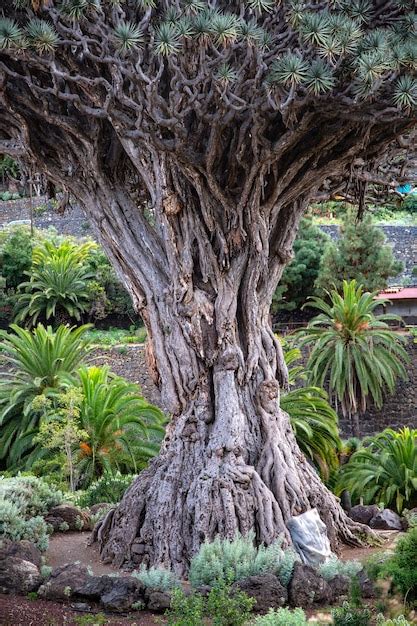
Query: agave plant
x=41, y=362
x=58, y=283
x=313, y=420
x=384, y=470
x=355, y=353
x=124, y=430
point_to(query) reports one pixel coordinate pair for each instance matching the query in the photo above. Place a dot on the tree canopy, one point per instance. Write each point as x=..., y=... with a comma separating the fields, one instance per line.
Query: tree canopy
x=207, y=80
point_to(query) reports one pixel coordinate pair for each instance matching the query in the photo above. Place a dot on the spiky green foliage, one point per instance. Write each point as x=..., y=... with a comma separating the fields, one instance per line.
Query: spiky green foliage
x=405, y=94
x=124, y=430
x=354, y=352
x=108, y=488
x=10, y=33
x=289, y=70
x=128, y=36
x=313, y=420
x=41, y=361
x=167, y=40
x=384, y=470
x=58, y=282
x=41, y=36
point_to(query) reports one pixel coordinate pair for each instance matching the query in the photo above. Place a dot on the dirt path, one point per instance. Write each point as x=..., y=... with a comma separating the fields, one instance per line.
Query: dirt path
x=73, y=546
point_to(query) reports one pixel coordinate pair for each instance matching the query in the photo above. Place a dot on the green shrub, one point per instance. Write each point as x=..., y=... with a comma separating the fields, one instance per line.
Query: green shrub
x=14, y=526
x=402, y=566
x=226, y=608
x=350, y=615
x=185, y=610
x=281, y=617
x=375, y=564
x=31, y=495
x=222, y=559
x=16, y=255
x=109, y=488
x=157, y=578
x=334, y=567
x=384, y=470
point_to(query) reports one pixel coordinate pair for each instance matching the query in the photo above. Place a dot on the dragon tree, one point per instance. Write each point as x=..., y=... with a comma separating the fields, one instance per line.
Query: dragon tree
x=194, y=134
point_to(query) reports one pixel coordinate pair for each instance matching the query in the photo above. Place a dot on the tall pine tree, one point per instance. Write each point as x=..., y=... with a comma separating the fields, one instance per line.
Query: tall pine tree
x=360, y=253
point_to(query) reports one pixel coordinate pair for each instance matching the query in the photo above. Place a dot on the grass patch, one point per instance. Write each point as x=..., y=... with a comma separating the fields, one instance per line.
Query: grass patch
x=116, y=336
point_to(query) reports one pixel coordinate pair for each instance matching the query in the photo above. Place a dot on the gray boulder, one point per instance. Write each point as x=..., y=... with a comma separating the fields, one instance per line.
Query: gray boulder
x=266, y=589
x=124, y=592
x=339, y=587
x=158, y=601
x=307, y=588
x=386, y=520
x=363, y=513
x=23, y=549
x=366, y=585
x=64, y=582
x=95, y=587
x=18, y=575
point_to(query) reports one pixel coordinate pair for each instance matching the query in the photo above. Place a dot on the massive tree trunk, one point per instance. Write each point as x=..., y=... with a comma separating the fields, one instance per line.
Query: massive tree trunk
x=229, y=462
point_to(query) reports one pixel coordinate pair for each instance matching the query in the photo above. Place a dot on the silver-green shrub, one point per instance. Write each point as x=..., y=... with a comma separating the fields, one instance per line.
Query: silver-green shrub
x=157, y=578
x=14, y=525
x=33, y=496
x=234, y=560
x=281, y=617
x=334, y=567
x=395, y=621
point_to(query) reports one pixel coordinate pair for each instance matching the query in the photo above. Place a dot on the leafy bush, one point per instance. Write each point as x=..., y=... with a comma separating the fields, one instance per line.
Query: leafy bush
x=14, y=526
x=23, y=499
x=384, y=470
x=335, y=567
x=31, y=495
x=58, y=283
x=350, y=615
x=402, y=566
x=108, y=488
x=281, y=617
x=185, y=610
x=40, y=360
x=157, y=578
x=222, y=607
x=16, y=255
x=234, y=560
x=226, y=608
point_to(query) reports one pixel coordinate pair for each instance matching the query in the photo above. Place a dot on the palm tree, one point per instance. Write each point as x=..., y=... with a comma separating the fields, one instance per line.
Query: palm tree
x=313, y=420
x=40, y=362
x=355, y=354
x=123, y=429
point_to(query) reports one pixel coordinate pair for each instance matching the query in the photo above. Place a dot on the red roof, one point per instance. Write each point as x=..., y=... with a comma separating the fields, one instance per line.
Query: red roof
x=407, y=293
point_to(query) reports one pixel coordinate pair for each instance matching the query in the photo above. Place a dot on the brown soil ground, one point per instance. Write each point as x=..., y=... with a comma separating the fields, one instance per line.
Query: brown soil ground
x=20, y=611
x=73, y=546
